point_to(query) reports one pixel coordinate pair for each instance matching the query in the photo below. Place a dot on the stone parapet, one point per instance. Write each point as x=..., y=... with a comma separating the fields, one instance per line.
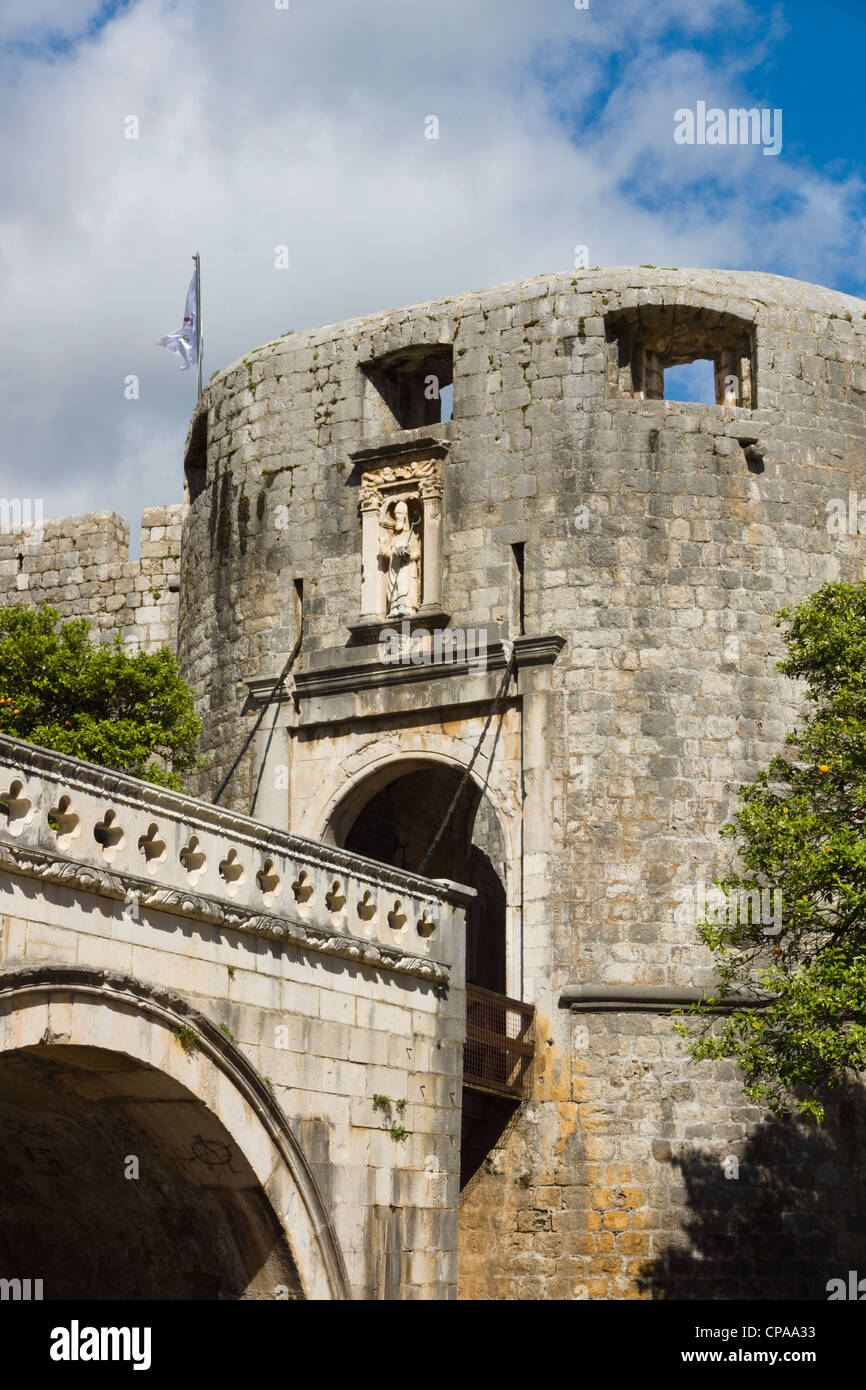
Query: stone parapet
x=81, y=566
x=326, y=989
x=68, y=821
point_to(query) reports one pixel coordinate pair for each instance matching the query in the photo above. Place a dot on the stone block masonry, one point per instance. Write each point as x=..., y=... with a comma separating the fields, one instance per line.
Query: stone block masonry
x=635, y=548
x=631, y=551
x=81, y=566
x=313, y=1000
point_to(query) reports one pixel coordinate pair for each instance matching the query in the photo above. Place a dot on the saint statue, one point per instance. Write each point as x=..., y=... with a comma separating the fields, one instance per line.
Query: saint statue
x=401, y=550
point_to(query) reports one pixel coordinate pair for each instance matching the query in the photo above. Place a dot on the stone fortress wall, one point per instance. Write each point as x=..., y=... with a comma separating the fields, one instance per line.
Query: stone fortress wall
x=81, y=566
x=634, y=550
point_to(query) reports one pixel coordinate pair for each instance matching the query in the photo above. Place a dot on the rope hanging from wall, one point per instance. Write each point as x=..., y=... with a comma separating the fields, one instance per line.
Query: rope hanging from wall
x=254, y=730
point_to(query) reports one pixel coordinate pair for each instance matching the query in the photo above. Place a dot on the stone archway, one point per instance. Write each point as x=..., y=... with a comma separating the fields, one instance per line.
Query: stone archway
x=394, y=815
x=141, y=1155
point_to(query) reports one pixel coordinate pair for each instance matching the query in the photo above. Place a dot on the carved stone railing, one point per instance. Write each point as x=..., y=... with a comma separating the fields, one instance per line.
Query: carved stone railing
x=66, y=821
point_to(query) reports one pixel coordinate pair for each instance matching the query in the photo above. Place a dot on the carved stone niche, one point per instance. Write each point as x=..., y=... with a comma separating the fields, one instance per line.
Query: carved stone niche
x=400, y=504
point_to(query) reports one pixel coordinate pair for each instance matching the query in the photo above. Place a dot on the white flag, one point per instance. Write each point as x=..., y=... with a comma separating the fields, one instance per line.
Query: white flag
x=185, y=341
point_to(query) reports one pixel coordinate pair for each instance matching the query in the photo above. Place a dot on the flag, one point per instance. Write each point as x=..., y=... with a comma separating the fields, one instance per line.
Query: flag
x=185, y=341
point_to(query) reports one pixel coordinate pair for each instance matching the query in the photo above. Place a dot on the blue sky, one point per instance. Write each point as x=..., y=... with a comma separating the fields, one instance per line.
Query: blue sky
x=815, y=72
x=305, y=128
x=44, y=36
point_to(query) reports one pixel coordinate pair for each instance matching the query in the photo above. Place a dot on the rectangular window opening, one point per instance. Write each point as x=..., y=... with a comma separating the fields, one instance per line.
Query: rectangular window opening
x=299, y=614
x=681, y=353
x=409, y=389
x=195, y=462
x=518, y=551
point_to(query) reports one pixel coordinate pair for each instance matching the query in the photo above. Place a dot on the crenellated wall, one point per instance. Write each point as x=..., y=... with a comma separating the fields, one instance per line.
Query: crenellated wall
x=81, y=566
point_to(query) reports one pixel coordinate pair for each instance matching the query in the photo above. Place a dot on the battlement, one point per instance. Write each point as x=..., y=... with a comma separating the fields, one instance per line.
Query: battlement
x=81, y=565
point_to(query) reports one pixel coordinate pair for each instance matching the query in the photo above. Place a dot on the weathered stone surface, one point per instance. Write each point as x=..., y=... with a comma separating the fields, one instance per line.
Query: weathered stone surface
x=123, y=934
x=81, y=566
x=658, y=538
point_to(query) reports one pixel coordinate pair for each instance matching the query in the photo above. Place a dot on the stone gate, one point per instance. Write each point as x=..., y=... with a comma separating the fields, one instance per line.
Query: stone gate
x=230, y=1058
x=620, y=554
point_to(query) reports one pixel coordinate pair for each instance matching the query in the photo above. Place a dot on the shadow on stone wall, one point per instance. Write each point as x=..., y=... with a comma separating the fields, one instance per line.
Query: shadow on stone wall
x=793, y=1218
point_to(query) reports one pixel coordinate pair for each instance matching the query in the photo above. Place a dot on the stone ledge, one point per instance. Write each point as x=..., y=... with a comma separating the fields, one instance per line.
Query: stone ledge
x=650, y=998
x=386, y=449
x=736, y=416
x=368, y=631
x=371, y=675
x=137, y=893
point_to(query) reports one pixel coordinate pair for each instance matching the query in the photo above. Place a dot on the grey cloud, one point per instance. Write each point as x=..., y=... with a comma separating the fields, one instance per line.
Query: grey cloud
x=261, y=127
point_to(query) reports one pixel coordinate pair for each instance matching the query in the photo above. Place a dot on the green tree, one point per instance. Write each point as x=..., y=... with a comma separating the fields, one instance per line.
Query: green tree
x=62, y=690
x=799, y=830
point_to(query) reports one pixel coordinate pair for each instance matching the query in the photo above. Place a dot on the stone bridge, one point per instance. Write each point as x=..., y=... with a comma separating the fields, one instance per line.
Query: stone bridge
x=230, y=1057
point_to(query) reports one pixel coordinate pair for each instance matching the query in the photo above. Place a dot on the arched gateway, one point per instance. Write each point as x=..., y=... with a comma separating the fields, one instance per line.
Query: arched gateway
x=395, y=810
x=199, y=1018
x=430, y=815
x=143, y=1156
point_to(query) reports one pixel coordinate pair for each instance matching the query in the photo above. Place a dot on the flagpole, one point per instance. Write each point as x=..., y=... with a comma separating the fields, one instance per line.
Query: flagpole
x=198, y=317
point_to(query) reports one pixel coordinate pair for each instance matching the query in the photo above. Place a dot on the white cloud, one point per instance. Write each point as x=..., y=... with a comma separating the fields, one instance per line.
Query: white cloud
x=260, y=127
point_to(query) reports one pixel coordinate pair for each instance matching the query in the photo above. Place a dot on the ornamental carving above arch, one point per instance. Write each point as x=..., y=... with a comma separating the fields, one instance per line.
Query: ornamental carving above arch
x=400, y=538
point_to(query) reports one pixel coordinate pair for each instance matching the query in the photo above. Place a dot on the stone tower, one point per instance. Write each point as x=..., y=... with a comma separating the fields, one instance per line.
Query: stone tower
x=630, y=551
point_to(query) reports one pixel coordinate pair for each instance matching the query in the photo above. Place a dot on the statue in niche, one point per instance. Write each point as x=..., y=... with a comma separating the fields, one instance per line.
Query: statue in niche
x=400, y=553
